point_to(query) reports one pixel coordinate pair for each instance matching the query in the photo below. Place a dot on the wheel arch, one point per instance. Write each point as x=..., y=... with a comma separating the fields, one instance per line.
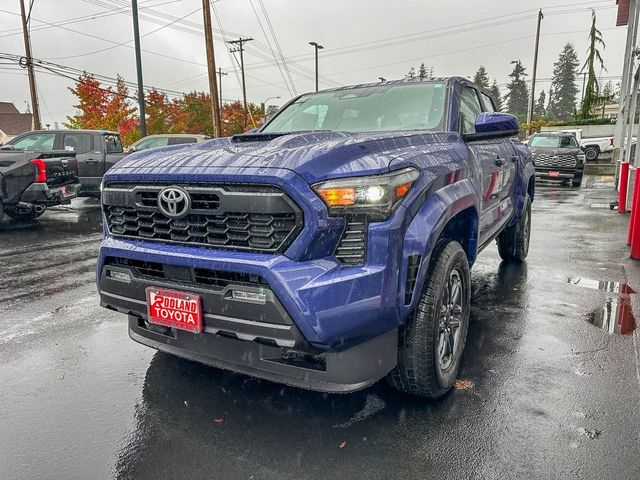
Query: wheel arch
x=451, y=212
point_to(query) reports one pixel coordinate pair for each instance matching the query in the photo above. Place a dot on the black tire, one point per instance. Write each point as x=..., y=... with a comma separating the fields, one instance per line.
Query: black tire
x=23, y=214
x=592, y=153
x=577, y=181
x=1, y=212
x=513, y=242
x=422, y=369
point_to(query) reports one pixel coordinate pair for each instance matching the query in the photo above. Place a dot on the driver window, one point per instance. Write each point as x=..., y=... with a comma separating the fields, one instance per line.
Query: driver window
x=469, y=109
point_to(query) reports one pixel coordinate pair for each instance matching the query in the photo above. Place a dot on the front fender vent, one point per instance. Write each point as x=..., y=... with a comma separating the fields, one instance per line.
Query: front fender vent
x=352, y=248
x=412, y=275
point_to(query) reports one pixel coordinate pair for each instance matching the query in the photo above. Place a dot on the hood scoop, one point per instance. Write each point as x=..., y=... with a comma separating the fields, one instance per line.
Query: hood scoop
x=256, y=137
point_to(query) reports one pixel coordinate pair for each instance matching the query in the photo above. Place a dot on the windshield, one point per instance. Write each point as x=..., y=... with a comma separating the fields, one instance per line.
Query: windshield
x=411, y=106
x=554, y=141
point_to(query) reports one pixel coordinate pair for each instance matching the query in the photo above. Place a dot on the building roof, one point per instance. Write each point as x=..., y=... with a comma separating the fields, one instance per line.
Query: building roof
x=8, y=107
x=16, y=123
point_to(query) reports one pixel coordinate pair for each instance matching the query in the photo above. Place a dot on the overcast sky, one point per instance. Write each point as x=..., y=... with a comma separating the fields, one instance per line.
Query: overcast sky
x=363, y=40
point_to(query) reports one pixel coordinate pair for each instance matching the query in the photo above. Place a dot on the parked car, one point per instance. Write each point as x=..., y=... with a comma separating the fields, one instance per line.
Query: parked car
x=329, y=249
x=32, y=181
x=96, y=151
x=557, y=156
x=153, y=141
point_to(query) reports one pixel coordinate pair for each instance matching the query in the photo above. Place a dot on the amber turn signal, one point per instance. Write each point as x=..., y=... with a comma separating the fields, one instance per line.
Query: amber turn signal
x=338, y=197
x=401, y=190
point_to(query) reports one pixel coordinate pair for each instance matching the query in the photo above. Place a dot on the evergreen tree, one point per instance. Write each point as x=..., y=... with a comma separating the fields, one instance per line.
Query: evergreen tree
x=540, y=109
x=610, y=93
x=518, y=94
x=594, y=59
x=411, y=74
x=423, y=72
x=564, y=90
x=481, y=78
x=497, y=96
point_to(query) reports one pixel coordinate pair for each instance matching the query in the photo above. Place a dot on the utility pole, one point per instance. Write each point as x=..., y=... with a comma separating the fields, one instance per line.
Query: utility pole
x=211, y=67
x=532, y=98
x=240, y=48
x=32, y=78
x=136, y=38
x=316, y=47
x=220, y=74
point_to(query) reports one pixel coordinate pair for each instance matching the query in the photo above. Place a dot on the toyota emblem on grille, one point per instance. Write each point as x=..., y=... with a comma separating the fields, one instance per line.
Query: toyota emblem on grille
x=174, y=202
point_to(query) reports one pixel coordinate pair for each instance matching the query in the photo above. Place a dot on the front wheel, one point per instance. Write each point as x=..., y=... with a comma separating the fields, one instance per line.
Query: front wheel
x=513, y=242
x=433, y=337
x=592, y=153
x=23, y=214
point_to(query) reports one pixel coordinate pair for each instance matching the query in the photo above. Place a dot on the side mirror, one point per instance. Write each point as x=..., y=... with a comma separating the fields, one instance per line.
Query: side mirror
x=7, y=147
x=494, y=125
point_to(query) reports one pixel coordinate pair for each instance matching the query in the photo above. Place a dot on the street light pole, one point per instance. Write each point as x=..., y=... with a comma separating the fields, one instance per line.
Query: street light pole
x=264, y=104
x=316, y=47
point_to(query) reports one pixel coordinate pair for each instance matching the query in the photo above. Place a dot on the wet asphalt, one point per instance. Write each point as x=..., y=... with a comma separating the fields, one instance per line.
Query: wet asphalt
x=543, y=391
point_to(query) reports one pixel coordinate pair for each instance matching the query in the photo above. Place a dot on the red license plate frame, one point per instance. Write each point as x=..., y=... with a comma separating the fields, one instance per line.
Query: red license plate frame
x=554, y=174
x=170, y=308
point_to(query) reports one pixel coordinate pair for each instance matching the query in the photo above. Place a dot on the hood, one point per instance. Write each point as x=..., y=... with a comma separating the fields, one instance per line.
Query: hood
x=314, y=156
x=556, y=151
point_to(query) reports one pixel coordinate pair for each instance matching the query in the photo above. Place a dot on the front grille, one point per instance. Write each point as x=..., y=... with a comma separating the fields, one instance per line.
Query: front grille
x=202, y=277
x=352, y=246
x=238, y=217
x=554, y=161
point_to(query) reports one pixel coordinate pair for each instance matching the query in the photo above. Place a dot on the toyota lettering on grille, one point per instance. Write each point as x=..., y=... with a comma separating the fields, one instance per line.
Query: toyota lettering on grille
x=174, y=202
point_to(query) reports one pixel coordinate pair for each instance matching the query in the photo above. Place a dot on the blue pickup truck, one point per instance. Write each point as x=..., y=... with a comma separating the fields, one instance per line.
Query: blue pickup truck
x=330, y=248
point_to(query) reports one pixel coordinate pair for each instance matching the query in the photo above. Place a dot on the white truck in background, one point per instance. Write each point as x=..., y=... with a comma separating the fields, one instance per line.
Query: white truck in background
x=594, y=146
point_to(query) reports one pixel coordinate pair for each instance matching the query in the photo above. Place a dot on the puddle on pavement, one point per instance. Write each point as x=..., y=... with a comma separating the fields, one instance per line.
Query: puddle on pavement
x=615, y=315
x=603, y=285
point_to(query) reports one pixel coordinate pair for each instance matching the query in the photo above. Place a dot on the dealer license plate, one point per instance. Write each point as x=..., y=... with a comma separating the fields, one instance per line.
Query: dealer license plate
x=554, y=174
x=173, y=309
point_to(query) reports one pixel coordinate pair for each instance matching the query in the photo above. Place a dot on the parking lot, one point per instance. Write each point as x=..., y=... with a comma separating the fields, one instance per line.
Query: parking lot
x=543, y=391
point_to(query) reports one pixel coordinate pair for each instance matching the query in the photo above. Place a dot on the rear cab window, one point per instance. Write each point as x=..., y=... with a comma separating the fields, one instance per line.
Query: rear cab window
x=113, y=144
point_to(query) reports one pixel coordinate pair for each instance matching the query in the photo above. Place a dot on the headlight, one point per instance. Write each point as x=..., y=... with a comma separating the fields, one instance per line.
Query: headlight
x=581, y=158
x=375, y=196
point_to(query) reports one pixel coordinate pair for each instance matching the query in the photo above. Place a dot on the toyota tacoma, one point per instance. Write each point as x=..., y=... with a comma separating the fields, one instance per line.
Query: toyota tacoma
x=327, y=250
x=557, y=156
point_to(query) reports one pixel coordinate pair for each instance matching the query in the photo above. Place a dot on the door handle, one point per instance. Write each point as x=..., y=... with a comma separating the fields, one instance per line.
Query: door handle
x=499, y=162
x=91, y=160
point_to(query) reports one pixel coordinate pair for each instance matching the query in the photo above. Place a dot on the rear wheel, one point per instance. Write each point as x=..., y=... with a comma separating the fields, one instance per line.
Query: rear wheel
x=23, y=214
x=433, y=337
x=513, y=242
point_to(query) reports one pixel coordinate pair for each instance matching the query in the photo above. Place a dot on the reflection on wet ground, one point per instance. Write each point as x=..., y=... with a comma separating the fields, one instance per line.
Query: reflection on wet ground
x=603, y=285
x=615, y=315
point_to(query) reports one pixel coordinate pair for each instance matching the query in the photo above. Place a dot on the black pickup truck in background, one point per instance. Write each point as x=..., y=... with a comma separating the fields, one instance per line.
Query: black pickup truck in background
x=95, y=150
x=31, y=181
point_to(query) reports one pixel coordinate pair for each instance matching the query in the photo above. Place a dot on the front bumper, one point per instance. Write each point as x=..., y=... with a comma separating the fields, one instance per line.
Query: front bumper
x=43, y=194
x=558, y=174
x=318, y=326
x=336, y=372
